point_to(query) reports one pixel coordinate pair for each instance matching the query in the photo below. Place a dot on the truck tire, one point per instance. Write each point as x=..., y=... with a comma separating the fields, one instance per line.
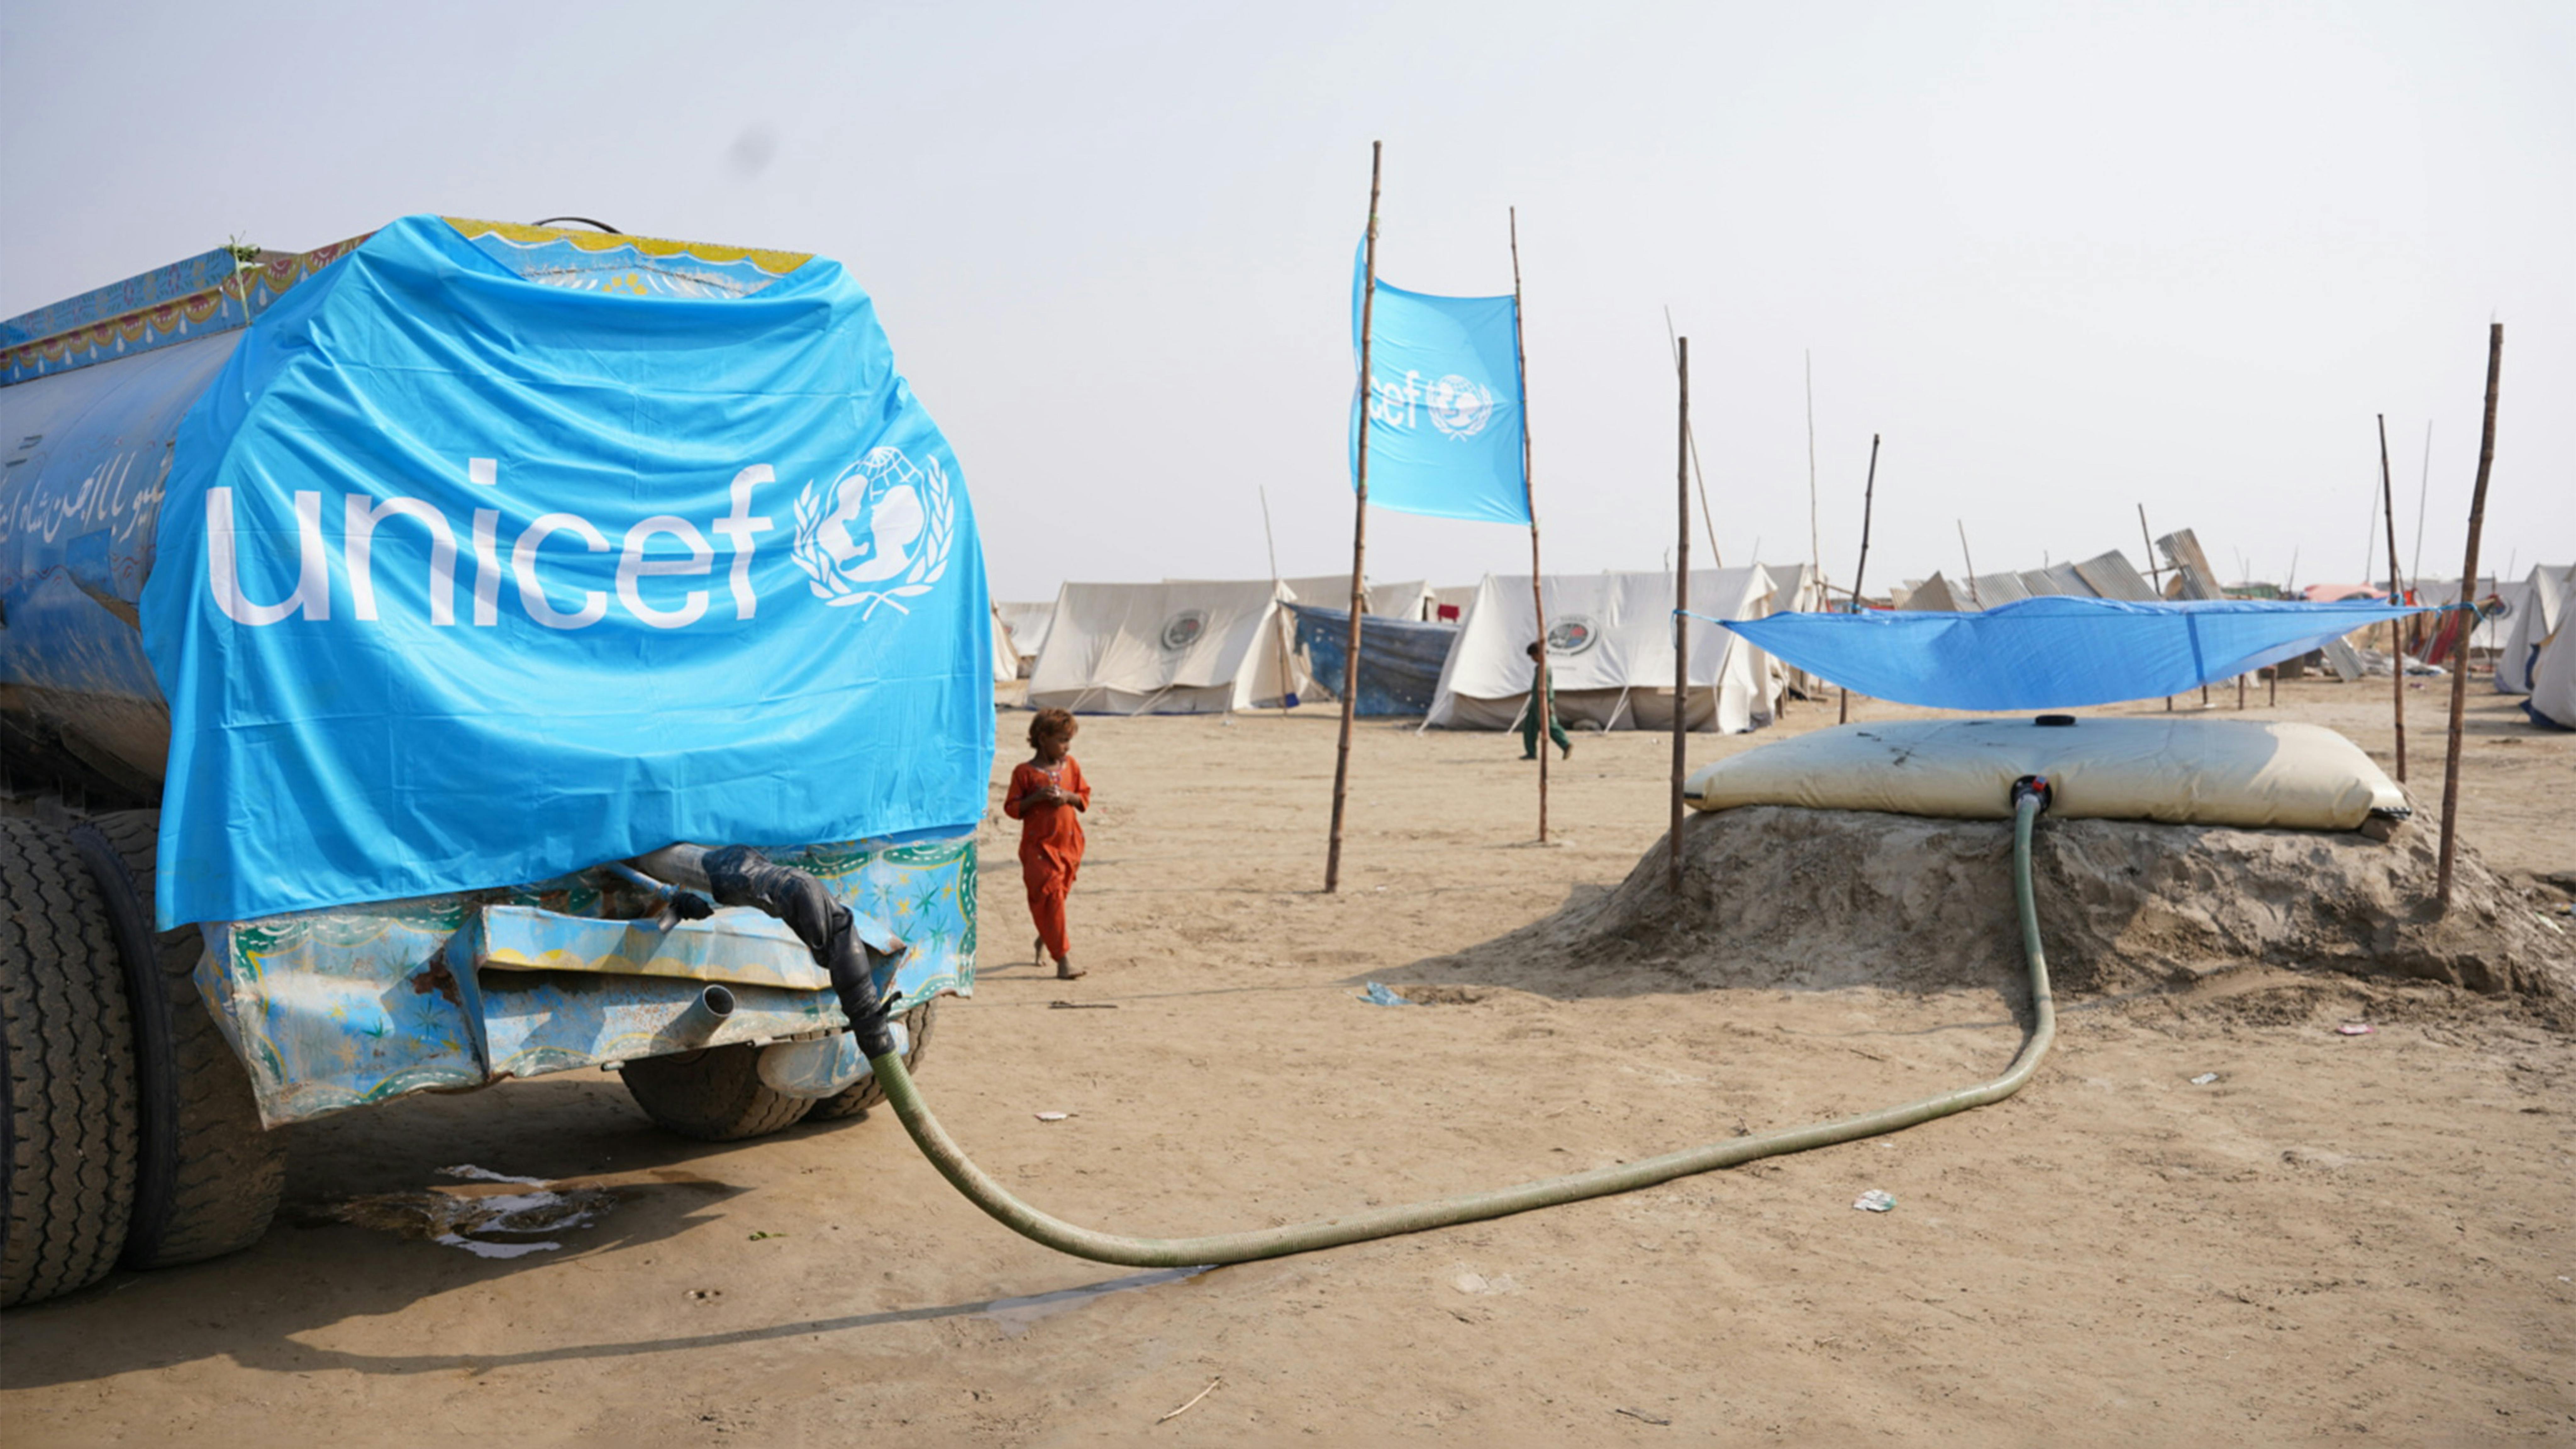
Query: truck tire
x=67, y=1109
x=864, y=1093
x=714, y=1094
x=208, y=1176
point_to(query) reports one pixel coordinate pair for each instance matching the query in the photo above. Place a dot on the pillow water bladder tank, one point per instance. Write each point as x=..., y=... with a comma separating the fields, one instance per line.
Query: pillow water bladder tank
x=2247, y=773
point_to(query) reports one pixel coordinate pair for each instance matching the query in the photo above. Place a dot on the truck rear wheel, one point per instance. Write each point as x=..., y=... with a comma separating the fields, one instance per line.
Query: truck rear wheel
x=208, y=1176
x=864, y=1093
x=714, y=1095
x=67, y=1099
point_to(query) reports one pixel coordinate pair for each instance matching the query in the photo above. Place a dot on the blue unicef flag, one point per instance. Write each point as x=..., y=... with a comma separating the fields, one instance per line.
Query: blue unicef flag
x=463, y=581
x=1443, y=405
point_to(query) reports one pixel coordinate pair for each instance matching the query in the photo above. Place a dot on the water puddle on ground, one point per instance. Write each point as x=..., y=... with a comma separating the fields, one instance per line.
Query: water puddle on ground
x=1015, y=1316
x=489, y=1214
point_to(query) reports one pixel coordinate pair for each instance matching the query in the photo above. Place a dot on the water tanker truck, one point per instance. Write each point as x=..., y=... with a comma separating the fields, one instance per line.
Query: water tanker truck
x=465, y=652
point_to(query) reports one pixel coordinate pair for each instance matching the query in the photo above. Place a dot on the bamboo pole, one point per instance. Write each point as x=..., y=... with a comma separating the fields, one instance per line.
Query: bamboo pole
x=2423, y=491
x=1287, y=670
x=2155, y=575
x=1815, y=535
x=1699, y=475
x=1681, y=607
x=2468, y=595
x=1359, y=540
x=2397, y=587
x=1539, y=700
x=1971, y=561
x=1860, y=570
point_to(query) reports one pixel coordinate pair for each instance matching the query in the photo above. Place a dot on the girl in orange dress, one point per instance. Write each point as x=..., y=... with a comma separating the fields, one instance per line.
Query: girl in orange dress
x=1048, y=796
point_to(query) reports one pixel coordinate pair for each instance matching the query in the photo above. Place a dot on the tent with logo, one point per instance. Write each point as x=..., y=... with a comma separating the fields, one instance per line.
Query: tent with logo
x=2533, y=612
x=1610, y=651
x=1196, y=646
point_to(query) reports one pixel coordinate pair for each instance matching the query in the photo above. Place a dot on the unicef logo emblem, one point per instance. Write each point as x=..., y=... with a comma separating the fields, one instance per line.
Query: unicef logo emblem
x=1183, y=630
x=1572, y=634
x=1459, y=407
x=879, y=533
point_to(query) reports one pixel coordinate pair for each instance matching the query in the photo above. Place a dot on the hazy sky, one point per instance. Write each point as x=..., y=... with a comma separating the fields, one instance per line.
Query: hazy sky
x=2066, y=258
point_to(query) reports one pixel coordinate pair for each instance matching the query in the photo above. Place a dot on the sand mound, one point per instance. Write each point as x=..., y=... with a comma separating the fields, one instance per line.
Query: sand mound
x=1774, y=896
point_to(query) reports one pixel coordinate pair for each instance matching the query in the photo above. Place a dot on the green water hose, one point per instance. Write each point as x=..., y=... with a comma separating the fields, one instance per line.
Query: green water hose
x=2030, y=798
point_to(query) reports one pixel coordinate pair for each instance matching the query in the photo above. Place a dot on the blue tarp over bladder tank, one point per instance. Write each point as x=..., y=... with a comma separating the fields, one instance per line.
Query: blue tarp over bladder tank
x=2053, y=652
x=465, y=580
x=1399, y=661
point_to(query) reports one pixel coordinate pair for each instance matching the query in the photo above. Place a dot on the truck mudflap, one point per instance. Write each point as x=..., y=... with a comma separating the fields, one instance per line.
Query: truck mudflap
x=356, y=1005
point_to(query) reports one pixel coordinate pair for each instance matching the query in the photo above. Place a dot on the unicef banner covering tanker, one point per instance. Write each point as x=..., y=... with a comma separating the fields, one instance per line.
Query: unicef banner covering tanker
x=1442, y=403
x=465, y=580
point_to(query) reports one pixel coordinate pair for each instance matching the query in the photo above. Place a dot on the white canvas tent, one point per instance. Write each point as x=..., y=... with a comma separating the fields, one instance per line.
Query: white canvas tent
x=1797, y=590
x=1028, y=625
x=2536, y=609
x=1333, y=591
x=2553, y=671
x=1006, y=656
x=1201, y=647
x=1460, y=597
x=1610, y=652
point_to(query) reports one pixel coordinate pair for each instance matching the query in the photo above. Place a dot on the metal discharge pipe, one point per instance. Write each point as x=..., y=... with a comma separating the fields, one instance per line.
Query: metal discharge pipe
x=2030, y=797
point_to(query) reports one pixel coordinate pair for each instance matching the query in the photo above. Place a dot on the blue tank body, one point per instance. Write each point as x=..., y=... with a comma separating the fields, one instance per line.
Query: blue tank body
x=92, y=389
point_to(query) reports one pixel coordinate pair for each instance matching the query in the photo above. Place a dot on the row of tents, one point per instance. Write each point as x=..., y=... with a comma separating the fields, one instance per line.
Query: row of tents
x=1457, y=657
x=1194, y=646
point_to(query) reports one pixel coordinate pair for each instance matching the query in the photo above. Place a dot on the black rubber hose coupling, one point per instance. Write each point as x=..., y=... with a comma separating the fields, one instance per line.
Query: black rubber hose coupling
x=742, y=876
x=2029, y=785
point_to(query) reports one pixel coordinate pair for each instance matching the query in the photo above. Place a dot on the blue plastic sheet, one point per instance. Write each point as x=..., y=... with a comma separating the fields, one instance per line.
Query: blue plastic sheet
x=2053, y=651
x=1400, y=660
x=1442, y=404
x=464, y=580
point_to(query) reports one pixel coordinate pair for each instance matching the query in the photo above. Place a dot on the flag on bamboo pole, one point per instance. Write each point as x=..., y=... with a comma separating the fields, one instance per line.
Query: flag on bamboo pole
x=1442, y=405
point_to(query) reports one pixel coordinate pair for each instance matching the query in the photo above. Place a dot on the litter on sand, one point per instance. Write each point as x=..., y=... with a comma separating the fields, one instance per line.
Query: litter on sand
x=1201, y=1394
x=1082, y=1006
x=1053, y=1116
x=2204, y=1079
x=2353, y=1028
x=1378, y=995
x=1643, y=1417
x=1875, y=1201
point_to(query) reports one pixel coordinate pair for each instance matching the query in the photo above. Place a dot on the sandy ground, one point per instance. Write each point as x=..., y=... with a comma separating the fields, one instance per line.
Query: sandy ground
x=2338, y=1237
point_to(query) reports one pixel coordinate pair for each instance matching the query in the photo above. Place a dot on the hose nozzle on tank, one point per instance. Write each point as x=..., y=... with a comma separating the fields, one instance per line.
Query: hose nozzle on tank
x=2033, y=785
x=741, y=876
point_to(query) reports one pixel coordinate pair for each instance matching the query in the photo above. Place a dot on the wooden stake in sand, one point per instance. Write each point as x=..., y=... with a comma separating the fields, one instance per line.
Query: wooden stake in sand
x=1529, y=504
x=1359, y=543
x=1868, y=497
x=2397, y=590
x=2468, y=596
x=1681, y=611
